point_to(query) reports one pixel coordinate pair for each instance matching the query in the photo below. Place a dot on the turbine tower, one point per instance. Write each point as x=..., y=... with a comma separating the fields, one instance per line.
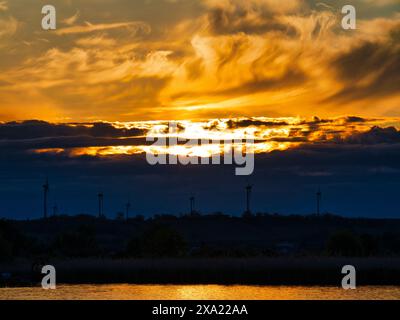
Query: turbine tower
x=249, y=189
x=101, y=200
x=319, y=196
x=46, y=188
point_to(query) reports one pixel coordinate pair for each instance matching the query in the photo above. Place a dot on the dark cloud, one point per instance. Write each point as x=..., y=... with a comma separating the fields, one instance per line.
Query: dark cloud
x=363, y=60
x=371, y=60
x=292, y=77
x=376, y=135
x=34, y=134
x=395, y=35
x=241, y=20
x=285, y=181
x=69, y=142
x=233, y=124
x=353, y=119
x=334, y=156
x=34, y=129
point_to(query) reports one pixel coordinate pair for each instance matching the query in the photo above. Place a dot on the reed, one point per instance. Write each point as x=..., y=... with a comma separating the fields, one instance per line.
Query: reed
x=255, y=271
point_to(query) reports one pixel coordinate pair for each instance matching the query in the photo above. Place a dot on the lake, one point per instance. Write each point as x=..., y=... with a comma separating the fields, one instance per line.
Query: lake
x=199, y=292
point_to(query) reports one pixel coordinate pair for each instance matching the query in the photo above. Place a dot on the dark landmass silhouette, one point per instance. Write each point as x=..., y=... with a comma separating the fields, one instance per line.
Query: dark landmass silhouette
x=217, y=248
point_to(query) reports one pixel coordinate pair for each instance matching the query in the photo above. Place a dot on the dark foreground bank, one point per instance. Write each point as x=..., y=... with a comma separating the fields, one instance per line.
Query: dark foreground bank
x=195, y=236
x=256, y=271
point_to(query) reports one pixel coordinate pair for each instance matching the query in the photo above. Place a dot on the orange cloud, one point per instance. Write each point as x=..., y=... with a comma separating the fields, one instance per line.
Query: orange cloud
x=231, y=58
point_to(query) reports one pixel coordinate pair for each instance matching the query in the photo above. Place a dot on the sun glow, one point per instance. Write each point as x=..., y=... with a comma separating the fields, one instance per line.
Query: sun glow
x=215, y=136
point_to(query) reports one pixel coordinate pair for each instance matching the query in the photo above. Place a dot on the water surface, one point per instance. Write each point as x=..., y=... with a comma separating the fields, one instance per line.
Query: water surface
x=199, y=292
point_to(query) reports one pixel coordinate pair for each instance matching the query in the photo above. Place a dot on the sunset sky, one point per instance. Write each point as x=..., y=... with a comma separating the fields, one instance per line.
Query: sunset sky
x=322, y=104
x=123, y=60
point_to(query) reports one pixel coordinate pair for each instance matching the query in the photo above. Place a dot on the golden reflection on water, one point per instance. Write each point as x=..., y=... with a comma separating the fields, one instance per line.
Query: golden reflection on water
x=199, y=292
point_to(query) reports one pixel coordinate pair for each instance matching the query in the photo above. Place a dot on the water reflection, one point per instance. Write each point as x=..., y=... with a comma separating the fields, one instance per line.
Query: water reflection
x=199, y=292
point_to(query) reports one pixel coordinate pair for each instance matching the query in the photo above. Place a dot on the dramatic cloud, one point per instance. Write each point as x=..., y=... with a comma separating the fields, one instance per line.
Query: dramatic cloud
x=100, y=139
x=8, y=26
x=71, y=20
x=3, y=6
x=41, y=129
x=282, y=72
x=370, y=70
x=88, y=27
x=350, y=157
x=205, y=59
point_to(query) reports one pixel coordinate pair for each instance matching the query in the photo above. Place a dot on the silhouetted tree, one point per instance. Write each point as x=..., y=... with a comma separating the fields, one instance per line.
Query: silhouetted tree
x=6, y=251
x=12, y=242
x=391, y=243
x=158, y=241
x=344, y=243
x=369, y=244
x=79, y=243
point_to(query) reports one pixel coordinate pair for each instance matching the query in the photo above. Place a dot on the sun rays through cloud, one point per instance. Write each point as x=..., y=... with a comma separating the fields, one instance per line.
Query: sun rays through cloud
x=212, y=137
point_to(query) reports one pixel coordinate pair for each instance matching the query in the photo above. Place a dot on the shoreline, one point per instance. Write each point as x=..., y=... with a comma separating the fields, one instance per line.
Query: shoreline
x=313, y=271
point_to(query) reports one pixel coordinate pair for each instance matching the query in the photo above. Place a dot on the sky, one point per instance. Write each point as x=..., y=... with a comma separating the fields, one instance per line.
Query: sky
x=121, y=60
x=321, y=103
